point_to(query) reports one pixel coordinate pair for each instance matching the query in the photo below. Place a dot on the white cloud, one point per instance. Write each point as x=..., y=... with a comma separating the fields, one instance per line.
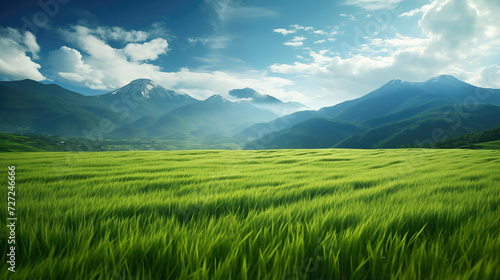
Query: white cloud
x=111, y=67
x=350, y=17
x=374, y=4
x=299, y=27
x=203, y=84
x=70, y=66
x=320, y=32
x=422, y=9
x=295, y=42
x=320, y=41
x=456, y=35
x=489, y=76
x=119, y=34
x=99, y=66
x=284, y=31
x=213, y=42
x=14, y=62
x=31, y=44
x=294, y=29
x=146, y=51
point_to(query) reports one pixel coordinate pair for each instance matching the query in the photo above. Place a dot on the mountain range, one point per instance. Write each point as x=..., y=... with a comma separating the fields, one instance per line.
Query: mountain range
x=398, y=113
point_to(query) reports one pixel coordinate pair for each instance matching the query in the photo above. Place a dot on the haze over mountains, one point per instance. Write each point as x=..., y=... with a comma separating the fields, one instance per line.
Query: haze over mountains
x=398, y=113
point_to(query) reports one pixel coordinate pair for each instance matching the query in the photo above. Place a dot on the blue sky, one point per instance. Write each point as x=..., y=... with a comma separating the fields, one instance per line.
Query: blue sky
x=316, y=52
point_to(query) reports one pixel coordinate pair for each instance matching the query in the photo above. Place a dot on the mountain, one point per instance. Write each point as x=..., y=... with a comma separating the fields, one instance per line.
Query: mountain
x=398, y=113
x=31, y=107
x=486, y=139
x=143, y=97
x=397, y=96
x=213, y=117
x=310, y=134
x=431, y=127
x=394, y=115
x=260, y=129
x=267, y=102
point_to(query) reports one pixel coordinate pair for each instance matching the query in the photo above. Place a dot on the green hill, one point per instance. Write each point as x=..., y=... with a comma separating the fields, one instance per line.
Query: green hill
x=310, y=134
x=12, y=143
x=429, y=127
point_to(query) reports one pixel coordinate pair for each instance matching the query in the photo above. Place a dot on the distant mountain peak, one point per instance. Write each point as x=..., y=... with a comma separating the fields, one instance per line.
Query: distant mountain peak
x=148, y=88
x=391, y=84
x=216, y=98
x=246, y=93
x=443, y=78
x=143, y=82
x=253, y=96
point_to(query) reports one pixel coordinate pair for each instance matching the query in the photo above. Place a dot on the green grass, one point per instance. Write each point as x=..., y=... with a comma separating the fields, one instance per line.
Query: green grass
x=12, y=143
x=286, y=214
x=489, y=145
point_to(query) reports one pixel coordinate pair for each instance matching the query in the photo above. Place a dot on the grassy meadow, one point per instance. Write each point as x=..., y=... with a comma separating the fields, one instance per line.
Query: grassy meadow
x=272, y=214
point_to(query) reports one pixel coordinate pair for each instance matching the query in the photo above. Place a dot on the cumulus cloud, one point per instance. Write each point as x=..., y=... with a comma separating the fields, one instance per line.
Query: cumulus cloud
x=14, y=61
x=146, y=51
x=119, y=34
x=70, y=65
x=488, y=76
x=94, y=63
x=456, y=35
x=111, y=67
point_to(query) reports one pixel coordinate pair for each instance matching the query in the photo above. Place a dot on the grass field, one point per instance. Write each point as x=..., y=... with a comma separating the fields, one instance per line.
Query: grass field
x=489, y=145
x=287, y=214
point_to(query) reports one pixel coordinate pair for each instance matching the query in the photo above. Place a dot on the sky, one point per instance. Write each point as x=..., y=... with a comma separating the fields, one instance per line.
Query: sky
x=317, y=52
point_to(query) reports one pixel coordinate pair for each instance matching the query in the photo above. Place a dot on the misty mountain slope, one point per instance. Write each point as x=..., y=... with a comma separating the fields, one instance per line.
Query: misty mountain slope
x=216, y=111
x=430, y=126
x=213, y=117
x=310, y=134
x=143, y=97
x=395, y=101
x=260, y=129
x=134, y=130
x=31, y=107
x=267, y=102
